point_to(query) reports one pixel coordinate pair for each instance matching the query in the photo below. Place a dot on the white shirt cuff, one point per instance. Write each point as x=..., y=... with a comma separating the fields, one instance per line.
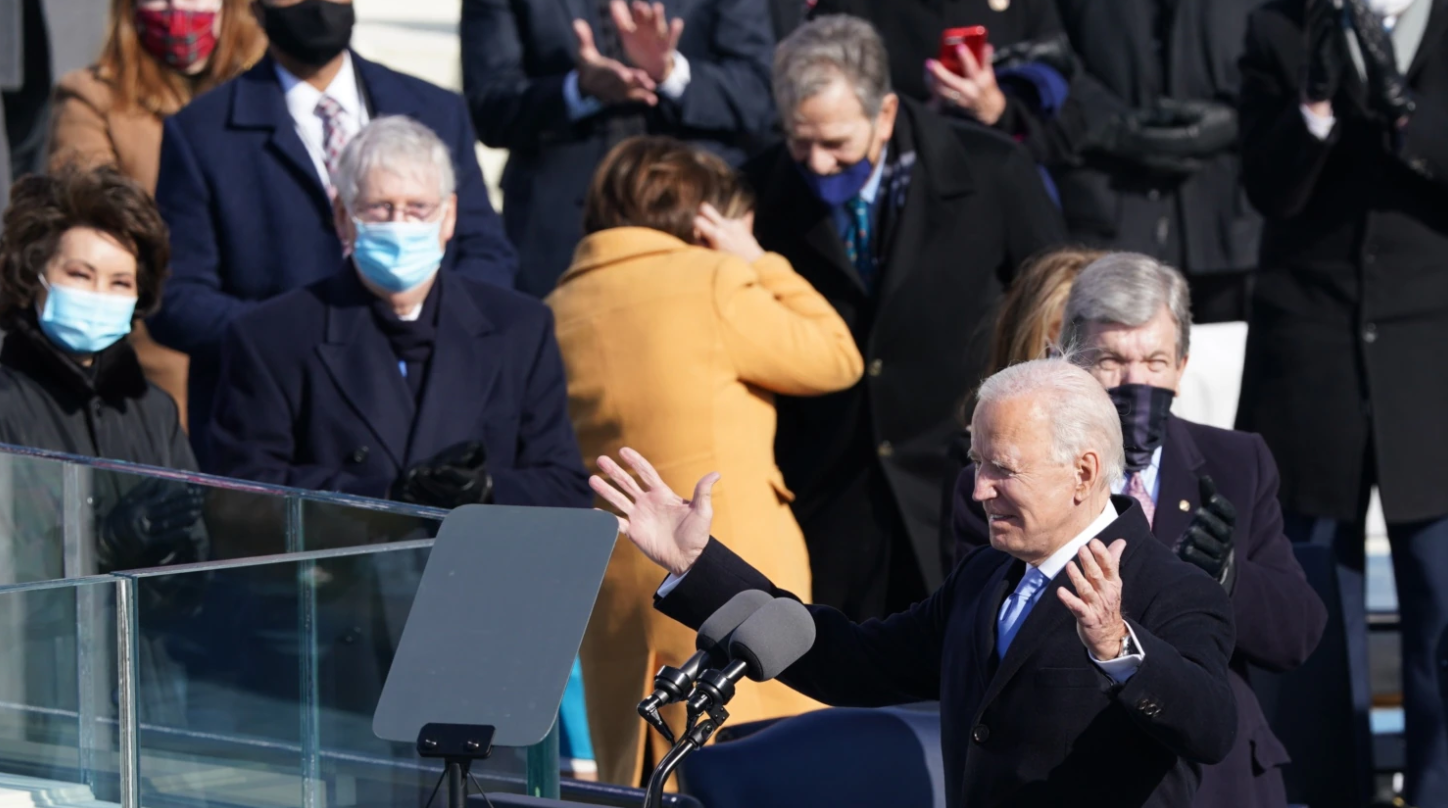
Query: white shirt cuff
x=1122, y=668
x=678, y=80
x=669, y=583
x=578, y=106
x=1319, y=125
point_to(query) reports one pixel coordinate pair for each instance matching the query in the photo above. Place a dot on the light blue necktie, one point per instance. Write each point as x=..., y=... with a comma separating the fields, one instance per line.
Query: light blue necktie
x=1017, y=607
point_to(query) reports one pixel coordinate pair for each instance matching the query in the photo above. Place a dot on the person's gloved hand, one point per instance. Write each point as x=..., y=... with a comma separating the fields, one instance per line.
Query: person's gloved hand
x=1387, y=89
x=152, y=526
x=1186, y=128
x=454, y=477
x=1208, y=541
x=1053, y=52
x=1325, y=47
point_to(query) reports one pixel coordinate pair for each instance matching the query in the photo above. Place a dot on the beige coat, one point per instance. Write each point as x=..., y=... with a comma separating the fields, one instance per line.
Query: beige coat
x=676, y=351
x=87, y=129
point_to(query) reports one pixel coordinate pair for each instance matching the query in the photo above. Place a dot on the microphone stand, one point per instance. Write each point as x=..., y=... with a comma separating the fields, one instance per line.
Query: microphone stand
x=693, y=740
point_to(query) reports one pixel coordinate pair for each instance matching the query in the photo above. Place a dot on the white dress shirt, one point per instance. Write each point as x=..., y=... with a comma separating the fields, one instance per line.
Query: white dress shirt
x=579, y=107
x=1150, y=477
x=302, y=101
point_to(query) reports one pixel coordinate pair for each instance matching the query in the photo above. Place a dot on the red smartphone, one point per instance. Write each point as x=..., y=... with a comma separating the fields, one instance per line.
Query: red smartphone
x=973, y=37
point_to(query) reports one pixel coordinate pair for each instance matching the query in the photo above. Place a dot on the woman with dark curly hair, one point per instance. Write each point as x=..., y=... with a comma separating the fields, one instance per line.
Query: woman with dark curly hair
x=83, y=255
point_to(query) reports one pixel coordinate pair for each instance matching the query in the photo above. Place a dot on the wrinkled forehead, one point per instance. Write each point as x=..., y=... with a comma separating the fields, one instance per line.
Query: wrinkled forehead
x=1016, y=428
x=408, y=180
x=1158, y=335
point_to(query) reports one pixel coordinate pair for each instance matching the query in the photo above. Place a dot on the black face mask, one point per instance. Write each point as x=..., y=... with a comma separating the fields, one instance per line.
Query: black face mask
x=1143, y=410
x=313, y=31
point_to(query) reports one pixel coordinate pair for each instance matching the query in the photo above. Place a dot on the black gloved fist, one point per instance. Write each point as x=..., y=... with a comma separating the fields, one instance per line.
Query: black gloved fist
x=1387, y=89
x=1185, y=128
x=1208, y=541
x=1326, y=49
x=152, y=526
x=1053, y=52
x=456, y=476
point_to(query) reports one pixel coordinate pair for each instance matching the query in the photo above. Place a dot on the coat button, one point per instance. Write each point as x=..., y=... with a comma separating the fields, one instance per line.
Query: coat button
x=358, y=456
x=1370, y=333
x=1149, y=708
x=885, y=449
x=980, y=734
x=351, y=637
x=877, y=366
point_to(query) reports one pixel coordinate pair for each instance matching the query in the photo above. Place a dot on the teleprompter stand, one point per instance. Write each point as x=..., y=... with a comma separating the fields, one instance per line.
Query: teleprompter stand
x=492, y=634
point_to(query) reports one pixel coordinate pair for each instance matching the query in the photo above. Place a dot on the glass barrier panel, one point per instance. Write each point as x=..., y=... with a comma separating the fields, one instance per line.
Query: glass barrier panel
x=59, y=700
x=269, y=671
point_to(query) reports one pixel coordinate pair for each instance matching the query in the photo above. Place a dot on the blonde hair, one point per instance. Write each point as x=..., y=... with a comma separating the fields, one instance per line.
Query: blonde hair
x=1033, y=304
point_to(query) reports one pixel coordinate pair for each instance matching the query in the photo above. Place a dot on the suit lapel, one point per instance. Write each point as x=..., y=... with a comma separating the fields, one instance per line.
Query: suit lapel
x=260, y=104
x=1181, y=464
x=466, y=360
x=360, y=361
x=999, y=586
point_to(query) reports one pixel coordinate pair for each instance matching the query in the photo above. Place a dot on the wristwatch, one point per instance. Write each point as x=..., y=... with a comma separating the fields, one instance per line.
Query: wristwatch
x=1127, y=646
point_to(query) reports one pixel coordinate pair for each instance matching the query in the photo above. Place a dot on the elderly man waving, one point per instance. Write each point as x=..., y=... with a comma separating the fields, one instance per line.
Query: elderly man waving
x=1075, y=659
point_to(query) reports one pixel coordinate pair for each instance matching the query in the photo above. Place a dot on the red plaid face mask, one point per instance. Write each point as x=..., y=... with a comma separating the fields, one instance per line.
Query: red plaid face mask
x=178, y=38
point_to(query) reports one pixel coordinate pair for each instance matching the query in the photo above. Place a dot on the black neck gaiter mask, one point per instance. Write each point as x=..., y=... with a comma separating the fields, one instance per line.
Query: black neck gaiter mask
x=1143, y=410
x=313, y=31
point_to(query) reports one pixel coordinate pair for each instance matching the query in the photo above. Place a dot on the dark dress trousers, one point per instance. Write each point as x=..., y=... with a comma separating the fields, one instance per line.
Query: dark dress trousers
x=1279, y=617
x=311, y=394
x=1044, y=726
x=1344, y=373
x=974, y=209
x=516, y=55
x=250, y=218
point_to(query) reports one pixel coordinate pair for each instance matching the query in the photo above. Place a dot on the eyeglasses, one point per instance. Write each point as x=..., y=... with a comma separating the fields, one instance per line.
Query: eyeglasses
x=387, y=212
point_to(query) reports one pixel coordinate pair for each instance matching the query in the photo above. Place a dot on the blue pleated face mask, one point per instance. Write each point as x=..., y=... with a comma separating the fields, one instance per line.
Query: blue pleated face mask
x=398, y=256
x=84, y=322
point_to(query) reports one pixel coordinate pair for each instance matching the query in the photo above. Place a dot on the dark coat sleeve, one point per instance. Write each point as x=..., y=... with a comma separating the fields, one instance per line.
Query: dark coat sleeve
x=729, y=85
x=890, y=661
x=548, y=470
x=1423, y=146
x=1281, y=159
x=1280, y=618
x=1034, y=223
x=510, y=108
x=482, y=248
x=1181, y=695
x=195, y=309
x=251, y=435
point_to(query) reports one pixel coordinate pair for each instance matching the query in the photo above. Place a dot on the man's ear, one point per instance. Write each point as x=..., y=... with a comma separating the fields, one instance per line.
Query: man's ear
x=1088, y=474
x=346, y=231
x=449, y=220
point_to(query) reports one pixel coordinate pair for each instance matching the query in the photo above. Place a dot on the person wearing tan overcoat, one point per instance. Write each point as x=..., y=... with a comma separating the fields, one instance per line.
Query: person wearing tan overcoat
x=676, y=351
x=111, y=113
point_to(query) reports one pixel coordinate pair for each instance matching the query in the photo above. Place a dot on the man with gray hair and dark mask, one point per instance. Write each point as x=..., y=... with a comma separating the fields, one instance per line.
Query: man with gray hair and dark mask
x=1208, y=493
x=910, y=225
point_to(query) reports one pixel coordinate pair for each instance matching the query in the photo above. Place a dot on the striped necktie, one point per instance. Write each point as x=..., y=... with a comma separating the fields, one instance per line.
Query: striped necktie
x=335, y=133
x=1136, y=489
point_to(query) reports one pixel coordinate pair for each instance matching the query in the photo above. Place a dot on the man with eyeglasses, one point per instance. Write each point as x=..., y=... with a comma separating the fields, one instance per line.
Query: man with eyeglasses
x=393, y=379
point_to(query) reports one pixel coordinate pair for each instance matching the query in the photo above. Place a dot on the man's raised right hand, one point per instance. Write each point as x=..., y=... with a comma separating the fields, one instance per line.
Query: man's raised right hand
x=670, y=530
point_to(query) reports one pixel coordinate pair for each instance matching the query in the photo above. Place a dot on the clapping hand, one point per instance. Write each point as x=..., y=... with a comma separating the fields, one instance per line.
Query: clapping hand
x=648, y=36
x=976, y=93
x=1208, y=541
x=152, y=526
x=670, y=530
x=1326, y=53
x=609, y=80
x=733, y=236
x=1096, y=603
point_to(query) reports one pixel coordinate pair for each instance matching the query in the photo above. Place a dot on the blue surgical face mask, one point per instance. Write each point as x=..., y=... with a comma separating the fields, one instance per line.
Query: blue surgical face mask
x=398, y=256
x=837, y=189
x=85, y=322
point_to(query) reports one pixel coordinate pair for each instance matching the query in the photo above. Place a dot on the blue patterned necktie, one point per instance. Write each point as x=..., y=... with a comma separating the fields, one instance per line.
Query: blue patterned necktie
x=1017, y=607
x=857, y=240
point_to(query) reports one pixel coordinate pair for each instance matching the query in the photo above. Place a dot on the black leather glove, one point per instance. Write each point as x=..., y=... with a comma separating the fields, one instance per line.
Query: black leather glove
x=1208, y=541
x=1387, y=89
x=1325, y=48
x=1053, y=52
x=152, y=526
x=456, y=476
x=1186, y=128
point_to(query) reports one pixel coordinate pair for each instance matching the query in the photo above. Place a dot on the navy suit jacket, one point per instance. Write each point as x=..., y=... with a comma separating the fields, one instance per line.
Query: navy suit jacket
x=311, y=395
x=516, y=54
x=250, y=218
x=1044, y=726
x=1279, y=616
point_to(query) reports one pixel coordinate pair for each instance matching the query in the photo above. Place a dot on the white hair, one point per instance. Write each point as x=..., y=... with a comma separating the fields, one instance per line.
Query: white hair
x=824, y=50
x=398, y=145
x=1127, y=289
x=1081, y=415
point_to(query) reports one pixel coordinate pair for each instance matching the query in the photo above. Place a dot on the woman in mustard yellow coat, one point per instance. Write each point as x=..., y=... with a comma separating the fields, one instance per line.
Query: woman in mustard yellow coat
x=676, y=331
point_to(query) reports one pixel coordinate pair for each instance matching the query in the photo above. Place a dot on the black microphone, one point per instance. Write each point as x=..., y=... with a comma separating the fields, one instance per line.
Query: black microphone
x=762, y=647
x=673, y=684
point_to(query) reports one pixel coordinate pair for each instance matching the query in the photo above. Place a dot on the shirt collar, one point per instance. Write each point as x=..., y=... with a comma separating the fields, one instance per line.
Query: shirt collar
x=1052, y=566
x=872, y=187
x=302, y=97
